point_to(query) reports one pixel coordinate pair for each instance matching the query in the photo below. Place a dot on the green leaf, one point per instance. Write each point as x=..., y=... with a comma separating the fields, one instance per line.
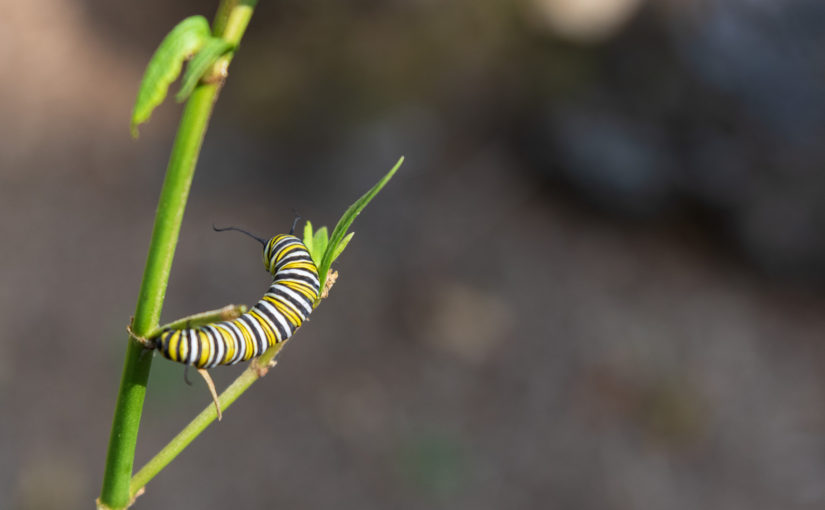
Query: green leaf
x=316, y=242
x=340, y=248
x=346, y=220
x=319, y=241
x=200, y=64
x=183, y=41
x=308, y=237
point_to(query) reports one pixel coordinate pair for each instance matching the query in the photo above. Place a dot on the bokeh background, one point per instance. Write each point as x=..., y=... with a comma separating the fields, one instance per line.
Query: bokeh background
x=596, y=282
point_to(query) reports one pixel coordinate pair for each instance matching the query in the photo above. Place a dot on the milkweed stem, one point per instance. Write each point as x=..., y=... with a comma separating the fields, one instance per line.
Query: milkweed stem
x=115, y=493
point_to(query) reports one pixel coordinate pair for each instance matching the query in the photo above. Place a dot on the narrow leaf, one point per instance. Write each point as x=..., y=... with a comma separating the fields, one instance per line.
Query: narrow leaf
x=340, y=248
x=346, y=220
x=308, y=237
x=320, y=240
x=319, y=244
x=201, y=64
x=183, y=41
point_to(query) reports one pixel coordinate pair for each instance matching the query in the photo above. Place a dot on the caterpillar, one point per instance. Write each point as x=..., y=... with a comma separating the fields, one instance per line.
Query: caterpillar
x=274, y=319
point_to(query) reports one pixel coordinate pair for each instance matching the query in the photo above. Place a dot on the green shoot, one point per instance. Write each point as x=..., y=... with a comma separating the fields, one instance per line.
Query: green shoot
x=325, y=250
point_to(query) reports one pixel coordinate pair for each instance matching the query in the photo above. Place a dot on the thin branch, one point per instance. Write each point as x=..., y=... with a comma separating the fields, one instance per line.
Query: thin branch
x=256, y=369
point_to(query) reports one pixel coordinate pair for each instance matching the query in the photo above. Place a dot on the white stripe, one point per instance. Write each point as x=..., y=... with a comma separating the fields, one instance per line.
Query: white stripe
x=296, y=309
x=274, y=311
x=242, y=348
x=262, y=335
x=193, y=347
x=299, y=272
x=241, y=351
x=214, y=340
x=283, y=243
x=294, y=256
x=278, y=247
x=307, y=308
x=240, y=345
x=281, y=320
x=184, y=338
x=220, y=351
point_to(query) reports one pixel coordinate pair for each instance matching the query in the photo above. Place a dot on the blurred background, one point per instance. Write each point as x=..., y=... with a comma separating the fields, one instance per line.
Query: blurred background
x=596, y=283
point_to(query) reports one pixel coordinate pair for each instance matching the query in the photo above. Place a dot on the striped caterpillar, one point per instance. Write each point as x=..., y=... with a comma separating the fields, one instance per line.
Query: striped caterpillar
x=274, y=319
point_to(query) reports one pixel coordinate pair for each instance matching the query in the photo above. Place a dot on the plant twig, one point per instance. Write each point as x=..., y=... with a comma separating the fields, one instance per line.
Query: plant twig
x=227, y=313
x=252, y=373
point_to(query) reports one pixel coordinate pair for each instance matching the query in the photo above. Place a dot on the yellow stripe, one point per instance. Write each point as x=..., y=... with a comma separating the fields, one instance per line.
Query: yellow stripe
x=224, y=339
x=246, y=338
x=184, y=343
x=301, y=264
x=288, y=249
x=229, y=343
x=285, y=310
x=271, y=339
x=172, y=346
x=303, y=288
x=206, y=343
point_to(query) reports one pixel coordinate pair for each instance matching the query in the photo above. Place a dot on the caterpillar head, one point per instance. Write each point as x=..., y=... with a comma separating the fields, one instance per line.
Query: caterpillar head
x=275, y=248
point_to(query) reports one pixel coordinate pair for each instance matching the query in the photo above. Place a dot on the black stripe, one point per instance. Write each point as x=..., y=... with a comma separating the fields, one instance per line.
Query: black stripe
x=285, y=239
x=164, y=343
x=219, y=338
x=272, y=318
x=228, y=326
x=276, y=290
x=282, y=333
x=224, y=342
x=210, y=335
x=180, y=346
x=283, y=243
x=298, y=256
x=258, y=340
x=309, y=281
x=238, y=340
x=263, y=322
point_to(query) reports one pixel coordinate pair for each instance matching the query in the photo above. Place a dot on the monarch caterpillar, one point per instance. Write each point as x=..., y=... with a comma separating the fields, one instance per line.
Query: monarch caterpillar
x=274, y=319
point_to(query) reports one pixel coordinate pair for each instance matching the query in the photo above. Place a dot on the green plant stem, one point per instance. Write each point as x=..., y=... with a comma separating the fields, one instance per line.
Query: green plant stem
x=123, y=439
x=236, y=22
x=171, y=205
x=201, y=421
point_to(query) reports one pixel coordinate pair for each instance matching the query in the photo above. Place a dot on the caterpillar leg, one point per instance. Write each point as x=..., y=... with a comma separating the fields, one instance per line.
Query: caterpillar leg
x=211, y=385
